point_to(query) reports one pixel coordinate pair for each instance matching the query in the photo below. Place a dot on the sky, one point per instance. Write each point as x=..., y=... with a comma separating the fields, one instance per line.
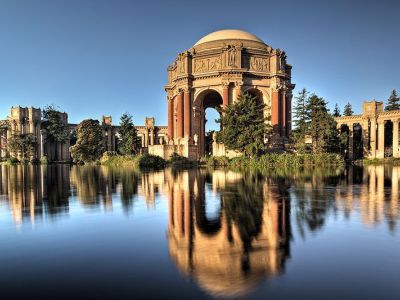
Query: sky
x=93, y=58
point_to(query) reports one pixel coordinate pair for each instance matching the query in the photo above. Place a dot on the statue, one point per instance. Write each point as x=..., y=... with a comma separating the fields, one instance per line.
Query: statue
x=195, y=138
x=214, y=137
x=232, y=57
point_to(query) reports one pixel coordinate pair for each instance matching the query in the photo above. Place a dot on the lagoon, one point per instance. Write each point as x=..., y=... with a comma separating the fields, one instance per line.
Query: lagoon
x=97, y=232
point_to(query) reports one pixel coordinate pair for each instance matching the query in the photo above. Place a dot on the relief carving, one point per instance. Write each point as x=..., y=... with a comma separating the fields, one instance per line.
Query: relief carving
x=207, y=64
x=259, y=64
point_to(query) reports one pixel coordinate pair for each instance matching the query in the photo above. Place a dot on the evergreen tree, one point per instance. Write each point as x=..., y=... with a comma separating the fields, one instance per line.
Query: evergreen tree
x=129, y=142
x=89, y=144
x=300, y=120
x=244, y=126
x=348, y=110
x=393, y=101
x=321, y=126
x=336, y=111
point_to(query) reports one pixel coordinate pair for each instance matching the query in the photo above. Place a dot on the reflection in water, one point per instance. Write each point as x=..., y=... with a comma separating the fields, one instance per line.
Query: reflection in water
x=227, y=231
x=248, y=241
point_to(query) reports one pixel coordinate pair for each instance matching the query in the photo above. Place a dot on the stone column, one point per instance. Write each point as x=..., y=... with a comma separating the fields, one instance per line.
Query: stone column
x=142, y=137
x=373, y=138
x=351, y=142
x=283, y=113
x=225, y=95
x=364, y=127
x=237, y=92
x=289, y=113
x=381, y=139
x=275, y=110
x=151, y=136
x=146, y=137
x=171, y=118
x=180, y=115
x=396, y=138
x=187, y=115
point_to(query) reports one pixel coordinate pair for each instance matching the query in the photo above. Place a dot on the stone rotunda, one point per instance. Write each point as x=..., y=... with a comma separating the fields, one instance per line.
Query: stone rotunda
x=214, y=72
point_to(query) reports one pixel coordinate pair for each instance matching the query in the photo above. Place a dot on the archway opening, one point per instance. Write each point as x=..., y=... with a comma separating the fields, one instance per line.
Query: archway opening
x=209, y=102
x=344, y=140
x=388, y=136
x=358, y=146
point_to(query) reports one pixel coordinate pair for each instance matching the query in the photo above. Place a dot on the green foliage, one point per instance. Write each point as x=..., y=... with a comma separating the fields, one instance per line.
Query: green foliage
x=321, y=126
x=288, y=161
x=217, y=161
x=336, y=111
x=393, y=101
x=348, y=110
x=129, y=142
x=177, y=160
x=56, y=128
x=12, y=161
x=148, y=161
x=244, y=126
x=23, y=144
x=89, y=145
x=44, y=160
x=300, y=120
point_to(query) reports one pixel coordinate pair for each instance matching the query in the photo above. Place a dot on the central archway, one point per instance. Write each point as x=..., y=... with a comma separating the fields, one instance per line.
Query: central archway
x=205, y=100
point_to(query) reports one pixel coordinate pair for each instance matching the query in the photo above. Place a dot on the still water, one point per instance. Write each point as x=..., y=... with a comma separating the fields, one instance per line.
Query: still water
x=101, y=233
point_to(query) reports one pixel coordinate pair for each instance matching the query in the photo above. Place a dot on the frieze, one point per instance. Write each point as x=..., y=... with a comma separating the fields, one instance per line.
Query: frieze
x=259, y=64
x=207, y=64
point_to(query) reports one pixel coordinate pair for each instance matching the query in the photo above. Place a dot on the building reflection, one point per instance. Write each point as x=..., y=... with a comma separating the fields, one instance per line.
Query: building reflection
x=32, y=191
x=374, y=192
x=245, y=241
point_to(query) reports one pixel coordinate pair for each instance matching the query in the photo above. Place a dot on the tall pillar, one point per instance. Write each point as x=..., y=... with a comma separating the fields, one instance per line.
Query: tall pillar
x=152, y=136
x=289, y=114
x=283, y=113
x=275, y=111
x=180, y=115
x=396, y=138
x=381, y=139
x=373, y=138
x=187, y=115
x=170, y=118
x=364, y=127
x=237, y=91
x=351, y=141
x=225, y=95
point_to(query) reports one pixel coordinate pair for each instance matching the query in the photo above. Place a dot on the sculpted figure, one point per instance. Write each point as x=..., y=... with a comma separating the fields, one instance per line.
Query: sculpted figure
x=195, y=138
x=214, y=137
x=232, y=57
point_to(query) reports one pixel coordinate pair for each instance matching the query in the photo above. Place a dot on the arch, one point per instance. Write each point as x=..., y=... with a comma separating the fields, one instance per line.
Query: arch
x=207, y=98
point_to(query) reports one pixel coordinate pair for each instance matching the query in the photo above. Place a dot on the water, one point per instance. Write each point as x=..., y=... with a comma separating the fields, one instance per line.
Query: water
x=101, y=233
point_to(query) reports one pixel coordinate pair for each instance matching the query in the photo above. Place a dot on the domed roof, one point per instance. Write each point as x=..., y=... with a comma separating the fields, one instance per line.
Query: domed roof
x=228, y=34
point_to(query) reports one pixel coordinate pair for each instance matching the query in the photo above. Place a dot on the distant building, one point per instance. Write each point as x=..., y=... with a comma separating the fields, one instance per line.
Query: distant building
x=29, y=120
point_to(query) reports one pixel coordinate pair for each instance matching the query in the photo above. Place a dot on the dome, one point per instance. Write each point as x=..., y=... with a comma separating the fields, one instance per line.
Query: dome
x=228, y=34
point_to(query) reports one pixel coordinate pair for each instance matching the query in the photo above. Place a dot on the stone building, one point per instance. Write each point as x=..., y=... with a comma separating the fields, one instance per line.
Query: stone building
x=29, y=120
x=376, y=131
x=214, y=72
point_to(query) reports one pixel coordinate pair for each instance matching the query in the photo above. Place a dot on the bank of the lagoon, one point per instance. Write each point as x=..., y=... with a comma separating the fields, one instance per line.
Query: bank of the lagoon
x=99, y=232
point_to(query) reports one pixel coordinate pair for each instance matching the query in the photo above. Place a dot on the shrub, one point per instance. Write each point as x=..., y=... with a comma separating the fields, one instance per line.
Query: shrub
x=177, y=160
x=151, y=161
x=12, y=161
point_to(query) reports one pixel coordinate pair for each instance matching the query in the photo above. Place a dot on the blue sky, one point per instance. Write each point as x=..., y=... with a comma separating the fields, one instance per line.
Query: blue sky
x=109, y=57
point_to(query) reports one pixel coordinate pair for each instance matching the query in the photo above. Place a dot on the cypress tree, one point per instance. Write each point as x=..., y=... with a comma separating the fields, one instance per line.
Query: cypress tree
x=393, y=101
x=348, y=110
x=129, y=141
x=336, y=111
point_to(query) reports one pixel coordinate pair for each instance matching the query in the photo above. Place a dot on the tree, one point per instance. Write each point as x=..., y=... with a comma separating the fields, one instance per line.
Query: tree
x=56, y=129
x=321, y=126
x=393, y=102
x=348, y=110
x=244, y=126
x=129, y=142
x=23, y=144
x=336, y=111
x=300, y=119
x=89, y=144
